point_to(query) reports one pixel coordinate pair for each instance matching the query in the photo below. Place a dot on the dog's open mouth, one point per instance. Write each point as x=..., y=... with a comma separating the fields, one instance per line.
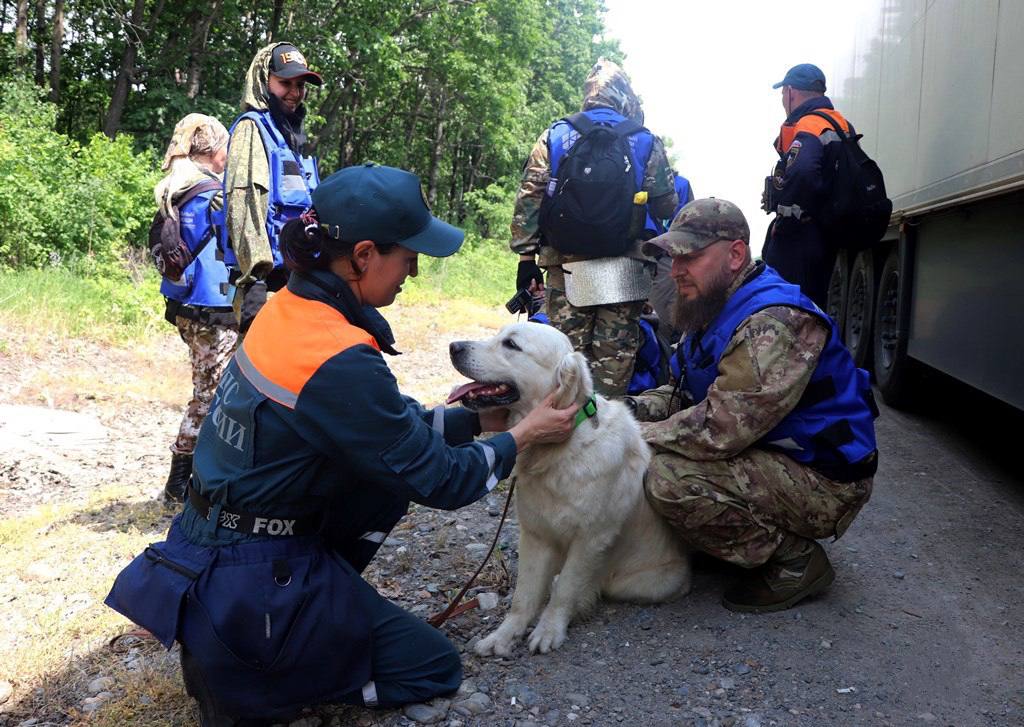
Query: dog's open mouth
x=476, y=395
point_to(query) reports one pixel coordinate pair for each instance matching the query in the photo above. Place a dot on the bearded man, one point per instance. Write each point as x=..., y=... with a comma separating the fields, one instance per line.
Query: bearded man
x=765, y=443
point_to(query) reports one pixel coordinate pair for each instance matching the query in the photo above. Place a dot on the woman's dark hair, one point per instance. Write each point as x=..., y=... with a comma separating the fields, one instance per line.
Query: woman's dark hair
x=307, y=247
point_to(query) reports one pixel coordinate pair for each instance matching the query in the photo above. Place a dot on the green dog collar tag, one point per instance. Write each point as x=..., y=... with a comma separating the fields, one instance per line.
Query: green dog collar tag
x=589, y=409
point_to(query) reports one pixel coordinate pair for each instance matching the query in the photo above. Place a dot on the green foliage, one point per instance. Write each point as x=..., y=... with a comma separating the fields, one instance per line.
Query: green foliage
x=63, y=201
x=482, y=270
x=489, y=210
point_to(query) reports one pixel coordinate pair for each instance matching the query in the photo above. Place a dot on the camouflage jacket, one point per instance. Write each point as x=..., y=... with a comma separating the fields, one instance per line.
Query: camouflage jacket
x=658, y=183
x=761, y=376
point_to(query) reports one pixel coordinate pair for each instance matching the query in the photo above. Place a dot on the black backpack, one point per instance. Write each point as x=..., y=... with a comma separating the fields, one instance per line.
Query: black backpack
x=592, y=211
x=170, y=253
x=857, y=211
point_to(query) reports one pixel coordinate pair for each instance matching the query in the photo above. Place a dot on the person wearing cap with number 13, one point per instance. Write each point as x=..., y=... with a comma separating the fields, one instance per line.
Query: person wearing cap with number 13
x=269, y=177
x=309, y=457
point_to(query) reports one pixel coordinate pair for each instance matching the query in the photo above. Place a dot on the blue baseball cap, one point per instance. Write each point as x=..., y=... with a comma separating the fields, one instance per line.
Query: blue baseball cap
x=383, y=204
x=804, y=77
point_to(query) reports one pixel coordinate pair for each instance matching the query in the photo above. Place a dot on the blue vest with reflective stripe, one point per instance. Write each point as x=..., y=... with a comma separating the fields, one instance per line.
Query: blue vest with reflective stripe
x=833, y=424
x=562, y=136
x=200, y=284
x=292, y=181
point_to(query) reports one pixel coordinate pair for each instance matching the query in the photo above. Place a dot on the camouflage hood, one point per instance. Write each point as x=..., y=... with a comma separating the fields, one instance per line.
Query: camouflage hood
x=608, y=86
x=256, y=91
x=196, y=135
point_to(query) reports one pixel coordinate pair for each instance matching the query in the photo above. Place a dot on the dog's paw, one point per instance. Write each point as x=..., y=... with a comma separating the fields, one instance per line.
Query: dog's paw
x=547, y=636
x=495, y=644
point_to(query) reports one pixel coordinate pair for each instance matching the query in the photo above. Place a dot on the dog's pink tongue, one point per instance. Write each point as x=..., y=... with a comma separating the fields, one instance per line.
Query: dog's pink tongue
x=460, y=391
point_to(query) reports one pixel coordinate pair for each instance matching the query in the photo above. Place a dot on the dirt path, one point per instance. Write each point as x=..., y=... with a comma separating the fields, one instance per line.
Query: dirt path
x=923, y=625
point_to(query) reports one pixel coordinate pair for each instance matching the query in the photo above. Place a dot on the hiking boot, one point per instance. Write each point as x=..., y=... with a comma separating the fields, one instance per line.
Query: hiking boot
x=178, y=479
x=798, y=569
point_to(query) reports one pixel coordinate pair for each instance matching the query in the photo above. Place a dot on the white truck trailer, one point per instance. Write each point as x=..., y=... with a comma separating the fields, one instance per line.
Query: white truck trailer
x=937, y=89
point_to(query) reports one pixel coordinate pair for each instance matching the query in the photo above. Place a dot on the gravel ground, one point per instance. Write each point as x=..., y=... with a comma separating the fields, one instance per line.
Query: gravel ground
x=923, y=625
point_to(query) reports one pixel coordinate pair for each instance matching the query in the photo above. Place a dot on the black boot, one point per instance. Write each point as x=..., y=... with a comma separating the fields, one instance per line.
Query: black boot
x=178, y=479
x=798, y=569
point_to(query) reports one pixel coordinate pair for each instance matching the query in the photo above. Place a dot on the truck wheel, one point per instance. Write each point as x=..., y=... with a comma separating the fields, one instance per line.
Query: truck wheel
x=894, y=370
x=838, y=287
x=859, y=306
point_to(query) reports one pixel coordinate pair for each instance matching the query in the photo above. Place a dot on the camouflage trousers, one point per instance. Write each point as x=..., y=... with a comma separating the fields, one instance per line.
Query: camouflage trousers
x=608, y=335
x=209, y=350
x=740, y=509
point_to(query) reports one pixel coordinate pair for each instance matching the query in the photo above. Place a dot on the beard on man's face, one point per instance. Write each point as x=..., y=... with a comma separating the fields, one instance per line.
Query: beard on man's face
x=690, y=316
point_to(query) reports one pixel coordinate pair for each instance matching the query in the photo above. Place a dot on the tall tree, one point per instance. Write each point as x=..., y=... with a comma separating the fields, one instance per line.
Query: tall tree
x=198, y=45
x=21, y=32
x=135, y=34
x=56, y=48
x=40, y=42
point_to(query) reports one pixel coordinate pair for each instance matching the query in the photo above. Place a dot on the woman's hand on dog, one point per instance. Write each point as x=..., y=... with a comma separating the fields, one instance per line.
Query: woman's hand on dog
x=544, y=424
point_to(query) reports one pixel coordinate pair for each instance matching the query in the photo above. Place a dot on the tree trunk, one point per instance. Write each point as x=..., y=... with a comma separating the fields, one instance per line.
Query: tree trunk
x=275, y=22
x=40, y=42
x=197, y=47
x=412, y=122
x=435, y=151
x=56, y=50
x=21, y=33
x=135, y=35
x=346, y=148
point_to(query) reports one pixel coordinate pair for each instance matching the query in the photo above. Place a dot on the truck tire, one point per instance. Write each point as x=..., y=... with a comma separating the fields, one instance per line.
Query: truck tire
x=894, y=370
x=838, y=287
x=860, y=302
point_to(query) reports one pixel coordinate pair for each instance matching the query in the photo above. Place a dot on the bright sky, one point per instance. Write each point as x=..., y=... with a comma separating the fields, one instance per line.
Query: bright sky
x=705, y=69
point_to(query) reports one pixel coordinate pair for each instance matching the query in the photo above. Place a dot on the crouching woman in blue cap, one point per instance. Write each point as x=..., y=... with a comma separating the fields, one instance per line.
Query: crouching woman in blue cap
x=309, y=457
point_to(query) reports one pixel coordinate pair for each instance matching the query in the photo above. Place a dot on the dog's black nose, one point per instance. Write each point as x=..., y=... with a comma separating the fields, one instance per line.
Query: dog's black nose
x=456, y=347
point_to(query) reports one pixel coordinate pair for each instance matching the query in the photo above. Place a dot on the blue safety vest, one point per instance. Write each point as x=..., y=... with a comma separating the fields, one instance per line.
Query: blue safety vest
x=205, y=281
x=292, y=181
x=833, y=423
x=562, y=136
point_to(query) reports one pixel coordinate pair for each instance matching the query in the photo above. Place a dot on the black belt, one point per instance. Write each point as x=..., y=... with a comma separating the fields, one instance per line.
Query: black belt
x=244, y=522
x=214, y=316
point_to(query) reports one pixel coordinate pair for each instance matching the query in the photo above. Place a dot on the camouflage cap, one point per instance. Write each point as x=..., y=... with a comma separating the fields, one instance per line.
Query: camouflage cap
x=697, y=225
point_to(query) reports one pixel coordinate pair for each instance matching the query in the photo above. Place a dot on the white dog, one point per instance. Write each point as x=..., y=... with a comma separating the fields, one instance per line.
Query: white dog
x=583, y=516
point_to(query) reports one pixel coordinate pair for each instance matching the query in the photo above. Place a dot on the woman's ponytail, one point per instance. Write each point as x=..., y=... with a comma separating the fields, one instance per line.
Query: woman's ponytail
x=302, y=246
x=308, y=245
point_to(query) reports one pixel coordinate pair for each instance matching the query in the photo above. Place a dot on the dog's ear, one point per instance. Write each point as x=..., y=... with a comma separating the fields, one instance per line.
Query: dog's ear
x=573, y=383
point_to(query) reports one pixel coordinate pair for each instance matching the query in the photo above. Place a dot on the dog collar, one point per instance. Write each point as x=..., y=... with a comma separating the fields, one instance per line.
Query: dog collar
x=588, y=410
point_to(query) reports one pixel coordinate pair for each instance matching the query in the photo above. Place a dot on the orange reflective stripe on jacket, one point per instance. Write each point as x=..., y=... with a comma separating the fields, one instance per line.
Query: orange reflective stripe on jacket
x=291, y=339
x=810, y=124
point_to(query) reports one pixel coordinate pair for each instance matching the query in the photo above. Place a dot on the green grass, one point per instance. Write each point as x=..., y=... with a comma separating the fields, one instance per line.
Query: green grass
x=125, y=305
x=483, y=271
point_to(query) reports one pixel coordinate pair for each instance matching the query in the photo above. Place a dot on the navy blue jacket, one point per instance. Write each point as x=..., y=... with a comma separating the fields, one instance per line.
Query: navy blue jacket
x=308, y=413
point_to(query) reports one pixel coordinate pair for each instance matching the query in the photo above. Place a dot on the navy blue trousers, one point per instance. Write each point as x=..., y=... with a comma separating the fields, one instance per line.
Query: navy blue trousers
x=411, y=661
x=801, y=255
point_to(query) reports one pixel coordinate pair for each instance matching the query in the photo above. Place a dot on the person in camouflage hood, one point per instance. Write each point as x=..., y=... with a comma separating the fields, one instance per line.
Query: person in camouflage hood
x=605, y=331
x=765, y=442
x=195, y=304
x=271, y=128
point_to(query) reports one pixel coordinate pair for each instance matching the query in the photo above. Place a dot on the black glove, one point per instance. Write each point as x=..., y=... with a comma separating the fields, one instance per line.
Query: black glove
x=254, y=298
x=528, y=272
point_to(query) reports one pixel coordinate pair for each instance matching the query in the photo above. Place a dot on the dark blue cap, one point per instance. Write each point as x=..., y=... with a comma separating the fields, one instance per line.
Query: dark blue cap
x=383, y=204
x=804, y=77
